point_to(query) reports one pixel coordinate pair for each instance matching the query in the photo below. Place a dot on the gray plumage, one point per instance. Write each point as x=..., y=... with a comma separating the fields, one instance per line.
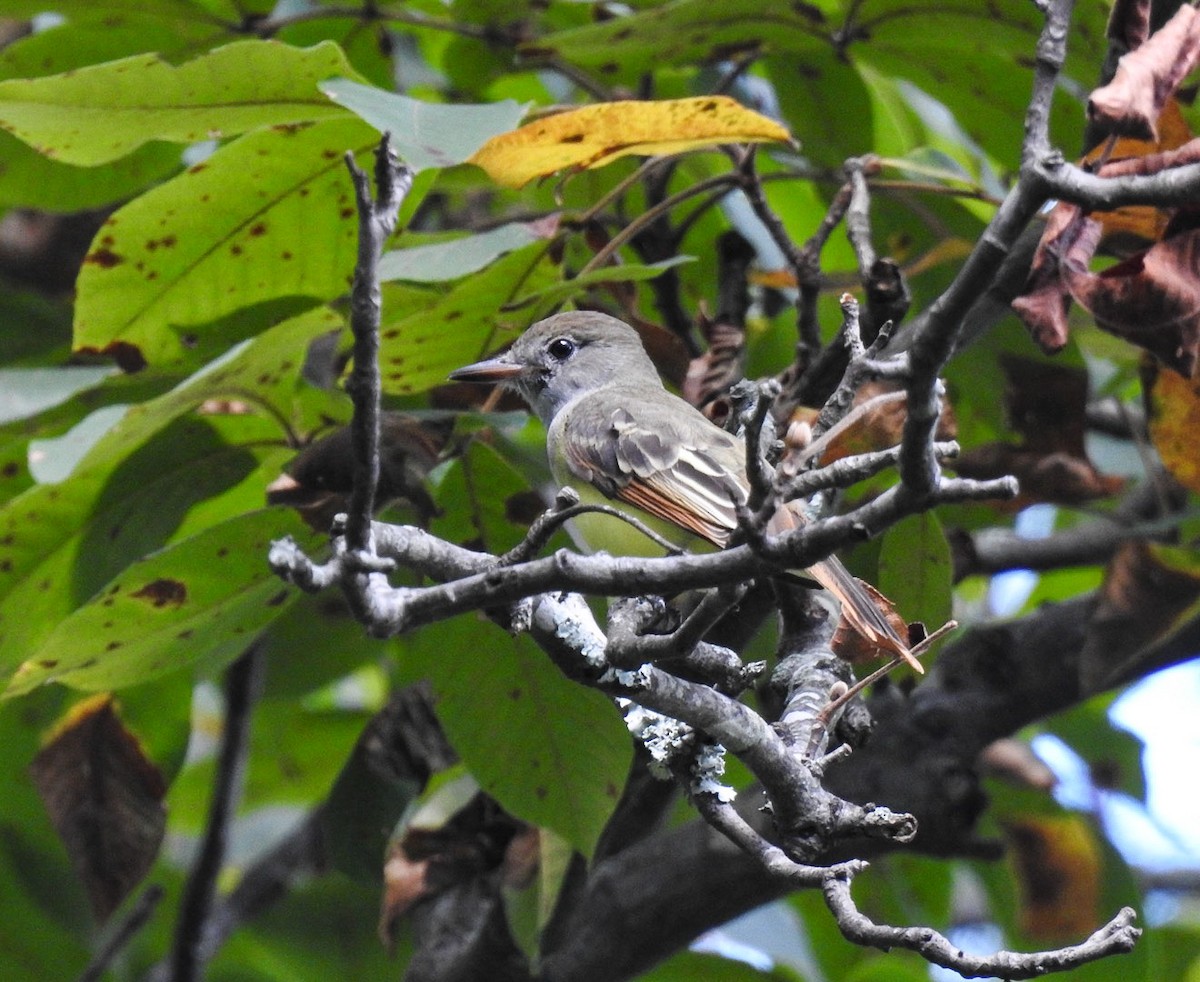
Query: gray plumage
x=612, y=424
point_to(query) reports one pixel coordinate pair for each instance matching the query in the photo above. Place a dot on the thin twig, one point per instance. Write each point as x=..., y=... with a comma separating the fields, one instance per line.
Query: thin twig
x=242, y=682
x=134, y=920
x=377, y=221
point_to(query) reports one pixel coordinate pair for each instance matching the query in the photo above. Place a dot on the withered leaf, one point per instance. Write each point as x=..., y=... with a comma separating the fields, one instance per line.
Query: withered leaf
x=1151, y=299
x=1070, y=237
x=1130, y=104
x=104, y=797
x=1058, y=867
x=1174, y=423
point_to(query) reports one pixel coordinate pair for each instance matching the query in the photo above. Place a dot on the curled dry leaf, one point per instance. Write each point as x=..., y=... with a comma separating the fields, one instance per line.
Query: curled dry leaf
x=1070, y=237
x=1152, y=299
x=1130, y=104
x=599, y=134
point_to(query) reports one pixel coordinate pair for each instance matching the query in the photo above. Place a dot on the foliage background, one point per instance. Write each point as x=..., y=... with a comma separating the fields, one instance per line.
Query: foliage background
x=178, y=207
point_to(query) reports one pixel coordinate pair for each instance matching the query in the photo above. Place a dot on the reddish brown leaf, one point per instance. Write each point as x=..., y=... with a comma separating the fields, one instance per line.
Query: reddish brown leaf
x=1130, y=104
x=1070, y=237
x=1152, y=299
x=104, y=797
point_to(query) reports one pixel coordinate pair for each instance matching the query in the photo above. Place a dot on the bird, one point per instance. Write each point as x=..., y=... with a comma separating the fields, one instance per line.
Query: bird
x=319, y=480
x=612, y=426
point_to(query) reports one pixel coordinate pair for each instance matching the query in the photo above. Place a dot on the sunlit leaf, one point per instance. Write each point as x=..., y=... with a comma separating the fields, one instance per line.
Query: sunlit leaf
x=102, y=112
x=269, y=216
x=594, y=136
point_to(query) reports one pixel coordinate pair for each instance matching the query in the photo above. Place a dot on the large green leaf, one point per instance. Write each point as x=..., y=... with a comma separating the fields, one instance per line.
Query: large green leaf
x=269, y=216
x=202, y=600
x=550, y=751
x=156, y=478
x=420, y=347
x=102, y=112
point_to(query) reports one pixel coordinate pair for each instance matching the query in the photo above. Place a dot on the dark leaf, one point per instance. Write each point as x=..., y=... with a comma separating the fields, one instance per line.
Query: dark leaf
x=104, y=797
x=1151, y=299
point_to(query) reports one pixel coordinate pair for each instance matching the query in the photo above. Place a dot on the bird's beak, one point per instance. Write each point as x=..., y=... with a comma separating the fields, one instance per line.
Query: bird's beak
x=492, y=370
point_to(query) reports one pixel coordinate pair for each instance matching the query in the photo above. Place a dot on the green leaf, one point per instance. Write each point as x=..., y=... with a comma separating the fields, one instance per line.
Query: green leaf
x=202, y=600
x=457, y=257
x=426, y=134
x=693, y=966
x=103, y=112
x=558, y=293
x=153, y=479
x=483, y=501
x=550, y=751
x=270, y=216
x=44, y=930
x=915, y=570
x=420, y=347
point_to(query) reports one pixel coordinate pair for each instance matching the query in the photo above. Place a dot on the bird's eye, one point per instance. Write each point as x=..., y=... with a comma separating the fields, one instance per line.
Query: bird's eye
x=561, y=348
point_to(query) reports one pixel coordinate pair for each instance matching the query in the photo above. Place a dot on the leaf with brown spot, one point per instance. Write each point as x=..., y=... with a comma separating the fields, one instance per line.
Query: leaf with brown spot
x=596, y=135
x=1175, y=424
x=100, y=113
x=104, y=797
x=1058, y=867
x=119, y=638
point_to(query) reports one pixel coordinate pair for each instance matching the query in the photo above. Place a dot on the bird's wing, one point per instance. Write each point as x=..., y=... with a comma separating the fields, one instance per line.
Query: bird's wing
x=640, y=454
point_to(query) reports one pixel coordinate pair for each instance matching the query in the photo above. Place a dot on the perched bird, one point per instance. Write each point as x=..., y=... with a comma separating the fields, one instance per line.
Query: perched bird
x=318, y=481
x=612, y=426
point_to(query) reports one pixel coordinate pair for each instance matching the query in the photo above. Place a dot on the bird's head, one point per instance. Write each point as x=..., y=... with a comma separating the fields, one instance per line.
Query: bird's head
x=565, y=356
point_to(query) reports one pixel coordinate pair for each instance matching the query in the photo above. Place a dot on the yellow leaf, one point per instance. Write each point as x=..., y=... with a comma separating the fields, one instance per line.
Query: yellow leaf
x=1174, y=423
x=597, y=135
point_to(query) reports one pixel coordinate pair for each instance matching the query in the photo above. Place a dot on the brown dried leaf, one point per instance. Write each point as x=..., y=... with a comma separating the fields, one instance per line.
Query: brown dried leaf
x=711, y=374
x=104, y=797
x=1151, y=299
x=1070, y=237
x=1046, y=405
x=1130, y=104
